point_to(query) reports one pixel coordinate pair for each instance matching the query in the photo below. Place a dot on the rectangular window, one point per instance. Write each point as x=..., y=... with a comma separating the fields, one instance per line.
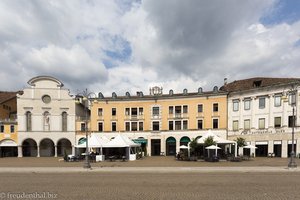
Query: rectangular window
x=184, y=125
x=235, y=125
x=100, y=126
x=200, y=124
x=113, y=111
x=12, y=128
x=262, y=102
x=235, y=105
x=277, y=122
x=292, y=99
x=141, y=126
x=155, y=111
x=141, y=111
x=177, y=125
x=134, y=111
x=2, y=128
x=100, y=111
x=215, y=123
x=291, y=121
x=277, y=101
x=171, y=125
x=134, y=126
x=185, y=109
x=127, y=111
x=82, y=126
x=247, y=104
x=114, y=126
x=247, y=124
x=177, y=109
x=171, y=109
x=155, y=126
x=261, y=123
x=215, y=107
x=127, y=126
x=200, y=108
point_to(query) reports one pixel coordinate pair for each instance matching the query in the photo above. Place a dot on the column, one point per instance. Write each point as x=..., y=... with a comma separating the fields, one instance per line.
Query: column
x=297, y=148
x=177, y=144
x=149, y=147
x=20, y=152
x=252, y=151
x=271, y=146
x=284, y=150
x=55, y=150
x=38, y=151
x=163, y=145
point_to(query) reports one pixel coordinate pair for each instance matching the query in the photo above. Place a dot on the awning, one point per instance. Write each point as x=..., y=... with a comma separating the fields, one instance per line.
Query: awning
x=140, y=141
x=8, y=143
x=171, y=140
x=185, y=139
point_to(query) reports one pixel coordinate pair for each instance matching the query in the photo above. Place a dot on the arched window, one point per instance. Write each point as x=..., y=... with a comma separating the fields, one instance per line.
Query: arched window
x=46, y=121
x=64, y=123
x=28, y=121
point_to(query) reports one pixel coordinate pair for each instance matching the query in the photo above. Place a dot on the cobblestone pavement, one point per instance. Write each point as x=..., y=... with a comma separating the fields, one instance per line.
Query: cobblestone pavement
x=158, y=161
x=102, y=186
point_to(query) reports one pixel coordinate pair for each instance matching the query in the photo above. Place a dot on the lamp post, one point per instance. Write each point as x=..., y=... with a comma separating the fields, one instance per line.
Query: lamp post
x=292, y=163
x=86, y=96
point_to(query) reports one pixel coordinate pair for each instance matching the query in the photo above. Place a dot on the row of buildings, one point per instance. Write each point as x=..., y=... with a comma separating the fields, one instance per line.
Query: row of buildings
x=44, y=119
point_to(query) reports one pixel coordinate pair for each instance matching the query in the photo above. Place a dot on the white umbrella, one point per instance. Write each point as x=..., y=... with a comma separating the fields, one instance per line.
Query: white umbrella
x=183, y=147
x=212, y=147
x=250, y=147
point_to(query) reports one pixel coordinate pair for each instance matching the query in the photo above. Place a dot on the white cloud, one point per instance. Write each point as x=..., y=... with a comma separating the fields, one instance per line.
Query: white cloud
x=174, y=44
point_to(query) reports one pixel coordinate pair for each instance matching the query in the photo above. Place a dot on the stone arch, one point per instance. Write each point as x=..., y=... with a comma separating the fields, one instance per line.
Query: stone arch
x=47, y=148
x=64, y=147
x=29, y=148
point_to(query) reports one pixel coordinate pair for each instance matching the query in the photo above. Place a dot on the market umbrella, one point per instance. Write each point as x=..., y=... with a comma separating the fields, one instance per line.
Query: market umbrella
x=212, y=147
x=183, y=147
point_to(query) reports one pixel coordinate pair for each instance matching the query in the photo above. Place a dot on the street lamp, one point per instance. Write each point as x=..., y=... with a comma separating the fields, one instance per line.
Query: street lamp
x=86, y=97
x=292, y=100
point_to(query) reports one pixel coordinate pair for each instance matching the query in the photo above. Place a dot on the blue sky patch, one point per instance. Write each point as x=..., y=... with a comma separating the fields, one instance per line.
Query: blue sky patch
x=121, y=52
x=285, y=11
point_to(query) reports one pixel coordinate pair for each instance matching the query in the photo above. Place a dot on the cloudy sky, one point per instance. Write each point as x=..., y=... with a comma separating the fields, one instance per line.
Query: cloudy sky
x=131, y=45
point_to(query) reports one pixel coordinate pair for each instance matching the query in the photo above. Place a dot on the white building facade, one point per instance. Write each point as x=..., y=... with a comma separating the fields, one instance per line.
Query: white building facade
x=46, y=119
x=260, y=110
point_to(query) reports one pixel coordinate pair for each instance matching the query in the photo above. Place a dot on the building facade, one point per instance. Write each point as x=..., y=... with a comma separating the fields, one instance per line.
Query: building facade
x=260, y=110
x=46, y=119
x=8, y=124
x=160, y=122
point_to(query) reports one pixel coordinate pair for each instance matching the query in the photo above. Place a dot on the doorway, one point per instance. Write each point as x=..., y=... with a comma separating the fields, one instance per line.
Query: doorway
x=155, y=147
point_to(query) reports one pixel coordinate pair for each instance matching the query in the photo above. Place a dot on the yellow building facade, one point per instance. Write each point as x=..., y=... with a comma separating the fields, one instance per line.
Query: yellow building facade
x=160, y=122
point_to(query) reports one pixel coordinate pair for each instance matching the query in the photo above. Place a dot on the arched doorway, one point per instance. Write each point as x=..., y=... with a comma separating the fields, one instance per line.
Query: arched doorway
x=64, y=147
x=170, y=146
x=29, y=148
x=184, y=141
x=47, y=148
x=8, y=148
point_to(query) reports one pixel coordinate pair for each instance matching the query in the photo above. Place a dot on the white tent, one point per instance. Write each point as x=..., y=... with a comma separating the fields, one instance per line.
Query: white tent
x=94, y=141
x=122, y=141
x=213, y=147
x=217, y=139
x=183, y=147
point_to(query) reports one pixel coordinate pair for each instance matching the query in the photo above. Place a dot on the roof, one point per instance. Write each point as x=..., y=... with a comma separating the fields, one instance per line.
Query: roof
x=5, y=96
x=33, y=80
x=217, y=139
x=257, y=82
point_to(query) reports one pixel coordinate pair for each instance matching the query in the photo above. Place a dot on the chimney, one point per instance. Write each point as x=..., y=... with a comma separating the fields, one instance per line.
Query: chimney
x=225, y=81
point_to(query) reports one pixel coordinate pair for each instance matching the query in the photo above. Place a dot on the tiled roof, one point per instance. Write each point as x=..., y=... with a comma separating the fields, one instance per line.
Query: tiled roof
x=5, y=96
x=257, y=82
